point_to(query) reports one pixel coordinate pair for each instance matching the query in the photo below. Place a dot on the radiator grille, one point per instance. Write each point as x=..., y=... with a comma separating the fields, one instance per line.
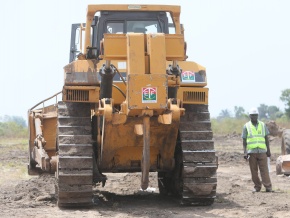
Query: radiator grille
x=77, y=95
x=194, y=97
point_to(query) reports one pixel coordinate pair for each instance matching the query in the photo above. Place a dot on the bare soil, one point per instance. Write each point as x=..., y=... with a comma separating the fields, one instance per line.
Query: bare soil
x=33, y=196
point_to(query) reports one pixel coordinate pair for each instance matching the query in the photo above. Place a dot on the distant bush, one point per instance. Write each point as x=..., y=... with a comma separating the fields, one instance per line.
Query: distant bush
x=12, y=130
x=283, y=122
x=16, y=119
x=232, y=125
x=228, y=125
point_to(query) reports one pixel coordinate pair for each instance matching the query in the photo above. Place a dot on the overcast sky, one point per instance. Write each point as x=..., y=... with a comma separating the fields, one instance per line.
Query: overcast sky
x=244, y=44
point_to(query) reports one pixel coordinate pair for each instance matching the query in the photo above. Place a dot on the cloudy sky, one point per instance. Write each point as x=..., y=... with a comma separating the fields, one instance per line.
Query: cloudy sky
x=244, y=44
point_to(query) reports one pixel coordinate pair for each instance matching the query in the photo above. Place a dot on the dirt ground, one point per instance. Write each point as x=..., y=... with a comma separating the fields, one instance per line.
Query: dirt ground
x=33, y=196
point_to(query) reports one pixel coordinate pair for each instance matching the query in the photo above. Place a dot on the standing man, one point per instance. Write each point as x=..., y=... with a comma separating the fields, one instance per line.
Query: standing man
x=256, y=149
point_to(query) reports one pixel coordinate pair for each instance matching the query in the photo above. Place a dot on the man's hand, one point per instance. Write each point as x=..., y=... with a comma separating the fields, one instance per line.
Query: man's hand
x=268, y=153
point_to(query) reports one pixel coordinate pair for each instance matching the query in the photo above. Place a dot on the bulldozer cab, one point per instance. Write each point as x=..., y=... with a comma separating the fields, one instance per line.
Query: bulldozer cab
x=118, y=22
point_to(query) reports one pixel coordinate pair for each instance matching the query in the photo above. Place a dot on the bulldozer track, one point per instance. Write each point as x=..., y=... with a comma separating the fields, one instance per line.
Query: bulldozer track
x=199, y=165
x=74, y=176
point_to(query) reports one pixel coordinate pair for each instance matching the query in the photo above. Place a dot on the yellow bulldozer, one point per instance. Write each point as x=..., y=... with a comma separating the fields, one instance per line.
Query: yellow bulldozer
x=131, y=102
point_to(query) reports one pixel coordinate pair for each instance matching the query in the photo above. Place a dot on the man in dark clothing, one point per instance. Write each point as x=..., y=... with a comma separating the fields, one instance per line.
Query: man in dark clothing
x=256, y=149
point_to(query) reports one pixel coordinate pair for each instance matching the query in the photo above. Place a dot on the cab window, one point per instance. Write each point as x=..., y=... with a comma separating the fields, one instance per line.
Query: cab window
x=115, y=27
x=140, y=26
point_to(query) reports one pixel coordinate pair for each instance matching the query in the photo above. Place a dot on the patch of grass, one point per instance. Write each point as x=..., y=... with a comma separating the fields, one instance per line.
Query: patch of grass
x=13, y=141
x=10, y=146
x=227, y=126
x=231, y=125
x=13, y=156
x=13, y=171
x=283, y=123
x=13, y=151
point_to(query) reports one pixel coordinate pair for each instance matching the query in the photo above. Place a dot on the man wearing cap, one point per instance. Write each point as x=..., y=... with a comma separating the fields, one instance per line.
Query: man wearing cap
x=256, y=149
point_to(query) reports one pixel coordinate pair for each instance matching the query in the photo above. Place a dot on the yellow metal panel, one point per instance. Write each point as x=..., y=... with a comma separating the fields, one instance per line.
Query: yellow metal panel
x=121, y=146
x=147, y=91
x=131, y=47
x=92, y=9
x=115, y=47
x=135, y=53
x=117, y=95
x=156, y=52
x=175, y=47
x=125, y=156
x=49, y=133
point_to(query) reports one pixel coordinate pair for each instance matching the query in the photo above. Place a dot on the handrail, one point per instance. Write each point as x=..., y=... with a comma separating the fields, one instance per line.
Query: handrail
x=45, y=100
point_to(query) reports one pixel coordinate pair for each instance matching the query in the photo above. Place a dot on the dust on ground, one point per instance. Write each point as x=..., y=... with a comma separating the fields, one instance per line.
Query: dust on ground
x=33, y=196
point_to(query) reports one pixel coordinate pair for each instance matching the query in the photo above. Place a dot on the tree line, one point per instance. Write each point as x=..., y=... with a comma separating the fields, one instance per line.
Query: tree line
x=271, y=112
x=13, y=127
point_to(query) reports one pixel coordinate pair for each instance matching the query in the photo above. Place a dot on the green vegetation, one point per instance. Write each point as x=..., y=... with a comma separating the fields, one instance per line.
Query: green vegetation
x=266, y=112
x=17, y=143
x=13, y=170
x=13, y=151
x=12, y=130
x=283, y=122
x=232, y=125
x=13, y=147
x=13, y=127
x=227, y=125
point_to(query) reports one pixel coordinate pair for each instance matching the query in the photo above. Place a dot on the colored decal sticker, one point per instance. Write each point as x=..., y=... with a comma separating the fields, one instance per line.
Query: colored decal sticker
x=149, y=95
x=188, y=76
